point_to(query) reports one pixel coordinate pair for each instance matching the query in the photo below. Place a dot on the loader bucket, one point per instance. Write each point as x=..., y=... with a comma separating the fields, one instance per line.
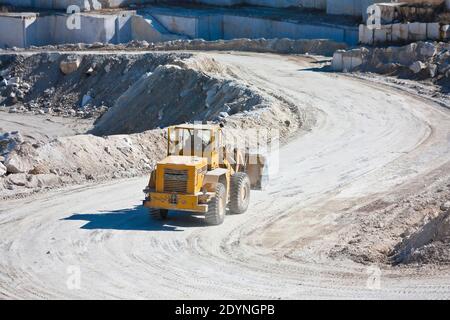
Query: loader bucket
x=257, y=170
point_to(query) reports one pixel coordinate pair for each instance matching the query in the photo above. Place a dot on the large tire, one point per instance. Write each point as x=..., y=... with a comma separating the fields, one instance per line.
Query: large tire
x=217, y=207
x=239, y=193
x=158, y=214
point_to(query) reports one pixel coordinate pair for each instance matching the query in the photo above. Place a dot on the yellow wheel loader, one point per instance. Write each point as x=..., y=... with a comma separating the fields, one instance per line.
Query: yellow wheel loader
x=202, y=175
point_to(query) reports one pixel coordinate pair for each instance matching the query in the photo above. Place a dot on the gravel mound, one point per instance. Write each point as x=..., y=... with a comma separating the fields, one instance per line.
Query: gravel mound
x=408, y=231
x=76, y=85
x=174, y=94
x=430, y=244
x=77, y=159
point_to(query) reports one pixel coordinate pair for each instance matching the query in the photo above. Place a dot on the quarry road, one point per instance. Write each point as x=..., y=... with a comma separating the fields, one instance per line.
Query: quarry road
x=367, y=141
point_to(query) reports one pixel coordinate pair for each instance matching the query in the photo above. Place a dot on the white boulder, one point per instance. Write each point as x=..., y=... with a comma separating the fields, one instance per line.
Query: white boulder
x=70, y=65
x=2, y=170
x=337, y=62
x=16, y=164
x=417, y=66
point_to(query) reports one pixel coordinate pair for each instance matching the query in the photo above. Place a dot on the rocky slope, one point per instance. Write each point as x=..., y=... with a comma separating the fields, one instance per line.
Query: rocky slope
x=418, y=61
x=403, y=229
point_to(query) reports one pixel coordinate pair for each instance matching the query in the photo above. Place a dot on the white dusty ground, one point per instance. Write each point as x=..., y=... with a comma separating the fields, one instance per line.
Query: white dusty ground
x=369, y=140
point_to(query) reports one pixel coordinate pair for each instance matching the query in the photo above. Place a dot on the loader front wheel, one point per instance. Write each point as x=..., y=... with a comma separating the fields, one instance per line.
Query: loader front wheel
x=239, y=193
x=158, y=214
x=216, y=207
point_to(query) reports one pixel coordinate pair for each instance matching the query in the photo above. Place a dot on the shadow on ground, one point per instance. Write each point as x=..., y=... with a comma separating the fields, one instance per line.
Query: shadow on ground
x=320, y=68
x=136, y=219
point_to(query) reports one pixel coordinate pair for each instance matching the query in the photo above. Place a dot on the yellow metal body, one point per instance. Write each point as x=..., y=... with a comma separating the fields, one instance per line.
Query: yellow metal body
x=183, y=202
x=186, y=178
x=195, y=168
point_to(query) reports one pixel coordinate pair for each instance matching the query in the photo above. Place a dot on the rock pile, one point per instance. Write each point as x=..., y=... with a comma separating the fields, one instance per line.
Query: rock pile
x=8, y=142
x=429, y=244
x=412, y=230
x=13, y=89
x=176, y=94
x=419, y=60
x=30, y=168
x=282, y=45
x=15, y=153
x=71, y=85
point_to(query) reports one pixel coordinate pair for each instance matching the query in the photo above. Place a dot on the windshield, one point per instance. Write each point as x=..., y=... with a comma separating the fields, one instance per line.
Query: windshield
x=189, y=142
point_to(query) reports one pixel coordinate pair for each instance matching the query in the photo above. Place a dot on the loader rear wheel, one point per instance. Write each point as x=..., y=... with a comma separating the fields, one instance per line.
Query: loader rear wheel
x=158, y=214
x=216, y=207
x=239, y=193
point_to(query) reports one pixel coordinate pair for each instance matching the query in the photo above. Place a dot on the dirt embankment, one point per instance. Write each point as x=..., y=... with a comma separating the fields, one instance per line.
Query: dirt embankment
x=429, y=244
x=146, y=91
x=408, y=230
x=77, y=159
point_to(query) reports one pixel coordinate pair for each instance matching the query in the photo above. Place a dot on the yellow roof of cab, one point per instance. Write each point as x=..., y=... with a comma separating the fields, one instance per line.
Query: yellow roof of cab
x=186, y=160
x=196, y=126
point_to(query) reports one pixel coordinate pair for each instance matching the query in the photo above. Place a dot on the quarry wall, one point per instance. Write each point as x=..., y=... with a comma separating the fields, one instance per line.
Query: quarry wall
x=215, y=27
x=93, y=4
x=403, y=33
x=342, y=7
x=33, y=29
x=261, y=28
x=405, y=22
x=16, y=31
x=153, y=25
x=49, y=4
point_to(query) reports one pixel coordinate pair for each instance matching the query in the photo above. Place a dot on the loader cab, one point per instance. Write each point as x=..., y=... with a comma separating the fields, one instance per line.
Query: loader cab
x=196, y=141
